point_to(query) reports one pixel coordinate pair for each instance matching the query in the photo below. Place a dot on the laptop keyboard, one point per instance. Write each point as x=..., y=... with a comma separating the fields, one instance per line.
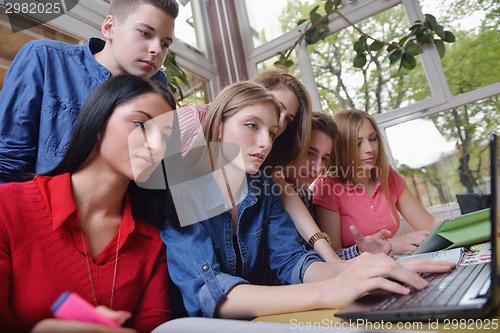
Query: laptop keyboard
x=444, y=290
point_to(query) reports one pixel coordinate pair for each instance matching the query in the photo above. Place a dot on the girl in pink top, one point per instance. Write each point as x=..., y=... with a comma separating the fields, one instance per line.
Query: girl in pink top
x=365, y=191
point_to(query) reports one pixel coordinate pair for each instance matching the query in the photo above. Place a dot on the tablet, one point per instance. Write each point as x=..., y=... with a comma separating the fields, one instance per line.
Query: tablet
x=433, y=242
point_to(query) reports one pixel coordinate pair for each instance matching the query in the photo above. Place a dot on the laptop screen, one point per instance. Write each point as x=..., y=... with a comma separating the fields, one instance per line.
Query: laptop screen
x=495, y=208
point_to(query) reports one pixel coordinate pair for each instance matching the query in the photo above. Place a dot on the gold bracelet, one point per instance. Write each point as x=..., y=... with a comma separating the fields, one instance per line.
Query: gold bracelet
x=318, y=236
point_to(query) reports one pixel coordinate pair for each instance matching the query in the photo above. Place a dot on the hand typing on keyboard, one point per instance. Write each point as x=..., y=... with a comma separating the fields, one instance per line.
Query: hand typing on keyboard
x=443, y=290
x=370, y=272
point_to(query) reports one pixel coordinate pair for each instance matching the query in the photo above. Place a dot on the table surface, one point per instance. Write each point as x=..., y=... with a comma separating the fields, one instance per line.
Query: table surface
x=326, y=319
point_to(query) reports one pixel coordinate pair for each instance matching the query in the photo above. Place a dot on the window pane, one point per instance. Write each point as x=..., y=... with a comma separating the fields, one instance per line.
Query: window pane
x=446, y=153
x=269, y=64
x=11, y=43
x=195, y=93
x=267, y=17
x=472, y=60
x=376, y=88
x=187, y=27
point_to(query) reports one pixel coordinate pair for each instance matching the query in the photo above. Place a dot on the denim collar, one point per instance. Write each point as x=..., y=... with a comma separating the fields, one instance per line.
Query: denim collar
x=95, y=45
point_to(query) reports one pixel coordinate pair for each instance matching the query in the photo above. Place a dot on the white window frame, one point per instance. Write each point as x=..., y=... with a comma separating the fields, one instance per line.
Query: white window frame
x=85, y=20
x=357, y=11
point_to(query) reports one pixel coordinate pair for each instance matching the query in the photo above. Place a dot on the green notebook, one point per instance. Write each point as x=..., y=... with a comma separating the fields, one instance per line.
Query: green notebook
x=459, y=231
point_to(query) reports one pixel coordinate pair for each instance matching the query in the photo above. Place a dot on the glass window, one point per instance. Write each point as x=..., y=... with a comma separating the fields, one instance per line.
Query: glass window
x=186, y=25
x=271, y=19
x=11, y=43
x=446, y=153
x=376, y=88
x=472, y=60
x=195, y=93
x=269, y=64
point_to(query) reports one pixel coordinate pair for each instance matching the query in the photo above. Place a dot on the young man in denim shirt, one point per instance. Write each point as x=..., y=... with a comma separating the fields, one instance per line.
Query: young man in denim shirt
x=49, y=81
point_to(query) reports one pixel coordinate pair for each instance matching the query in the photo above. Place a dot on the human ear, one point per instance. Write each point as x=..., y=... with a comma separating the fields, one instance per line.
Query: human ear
x=107, y=27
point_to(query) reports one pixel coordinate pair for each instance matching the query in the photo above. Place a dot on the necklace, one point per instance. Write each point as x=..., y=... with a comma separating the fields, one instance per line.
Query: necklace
x=90, y=274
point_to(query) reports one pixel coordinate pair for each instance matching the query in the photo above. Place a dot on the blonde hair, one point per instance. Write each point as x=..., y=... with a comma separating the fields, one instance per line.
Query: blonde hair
x=294, y=141
x=348, y=124
x=228, y=102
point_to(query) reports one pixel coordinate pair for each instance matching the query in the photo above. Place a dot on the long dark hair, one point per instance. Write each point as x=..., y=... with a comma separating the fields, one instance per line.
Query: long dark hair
x=154, y=206
x=294, y=141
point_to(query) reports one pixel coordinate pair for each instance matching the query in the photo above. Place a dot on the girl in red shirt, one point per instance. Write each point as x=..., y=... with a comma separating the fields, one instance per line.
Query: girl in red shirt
x=366, y=191
x=86, y=226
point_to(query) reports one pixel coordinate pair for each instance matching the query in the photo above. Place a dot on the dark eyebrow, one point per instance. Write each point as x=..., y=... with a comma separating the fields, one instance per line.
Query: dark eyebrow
x=144, y=113
x=148, y=26
x=153, y=29
x=317, y=151
x=151, y=118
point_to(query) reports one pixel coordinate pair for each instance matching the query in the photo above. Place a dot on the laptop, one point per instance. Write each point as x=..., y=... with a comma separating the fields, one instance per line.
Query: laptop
x=470, y=291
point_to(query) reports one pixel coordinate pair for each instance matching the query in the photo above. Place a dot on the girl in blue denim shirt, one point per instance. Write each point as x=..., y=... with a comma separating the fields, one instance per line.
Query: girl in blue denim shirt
x=211, y=260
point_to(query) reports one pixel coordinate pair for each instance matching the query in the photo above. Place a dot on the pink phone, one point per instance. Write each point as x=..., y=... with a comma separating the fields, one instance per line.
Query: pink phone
x=71, y=306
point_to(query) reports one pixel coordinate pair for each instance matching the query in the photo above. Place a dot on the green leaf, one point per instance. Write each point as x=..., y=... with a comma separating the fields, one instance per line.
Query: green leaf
x=172, y=87
x=360, y=45
x=175, y=86
x=171, y=56
x=375, y=46
x=184, y=78
x=413, y=48
x=424, y=38
x=441, y=34
x=440, y=47
x=449, y=37
x=329, y=6
x=416, y=26
x=431, y=21
x=395, y=56
x=174, y=73
x=289, y=63
x=280, y=60
x=403, y=40
x=325, y=22
x=401, y=64
x=409, y=66
x=302, y=21
x=338, y=2
x=315, y=17
x=408, y=57
x=313, y=11
x=439, y=28
x=359, y=61
x=300, y=40
x=313, y=36
x=323, y=34
x=390, y=48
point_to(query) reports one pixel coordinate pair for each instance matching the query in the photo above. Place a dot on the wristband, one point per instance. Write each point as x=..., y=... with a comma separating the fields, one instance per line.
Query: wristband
x=318, y=236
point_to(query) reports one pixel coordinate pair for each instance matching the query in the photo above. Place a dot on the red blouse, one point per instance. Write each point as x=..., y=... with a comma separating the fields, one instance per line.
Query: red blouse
x=41, y=255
